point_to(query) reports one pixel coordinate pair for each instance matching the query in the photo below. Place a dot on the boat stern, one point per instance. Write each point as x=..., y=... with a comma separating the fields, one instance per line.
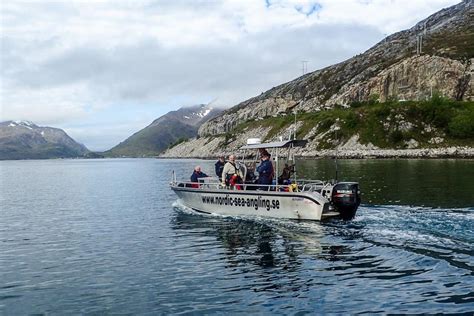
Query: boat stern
x=346, y=199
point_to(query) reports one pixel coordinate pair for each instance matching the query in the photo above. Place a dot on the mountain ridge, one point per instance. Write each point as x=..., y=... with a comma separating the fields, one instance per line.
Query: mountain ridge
x=319, y=89
x=173, y=127
x=26, y=140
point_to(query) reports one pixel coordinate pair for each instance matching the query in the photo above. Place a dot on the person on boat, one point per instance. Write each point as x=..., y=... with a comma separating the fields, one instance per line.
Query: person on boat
x=286, y=174
x=231, y=174
x=263, y=152
x=219, y=165
x=265, y=171
x=197, y=173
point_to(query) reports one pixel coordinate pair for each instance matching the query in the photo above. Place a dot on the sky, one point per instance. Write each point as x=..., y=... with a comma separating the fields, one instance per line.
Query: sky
x=102, y=70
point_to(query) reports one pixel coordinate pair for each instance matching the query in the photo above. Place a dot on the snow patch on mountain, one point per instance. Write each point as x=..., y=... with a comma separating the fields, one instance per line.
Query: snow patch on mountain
x=24, y=123
x=205, y=113
x=26, y=140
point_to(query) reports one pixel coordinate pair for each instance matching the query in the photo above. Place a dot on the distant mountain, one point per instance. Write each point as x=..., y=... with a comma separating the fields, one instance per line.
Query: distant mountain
x=26, y=140
x=167, y=130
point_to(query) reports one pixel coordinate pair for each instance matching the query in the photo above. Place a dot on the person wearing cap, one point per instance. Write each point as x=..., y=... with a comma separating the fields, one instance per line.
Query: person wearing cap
x=219, y=165
x=265, y=171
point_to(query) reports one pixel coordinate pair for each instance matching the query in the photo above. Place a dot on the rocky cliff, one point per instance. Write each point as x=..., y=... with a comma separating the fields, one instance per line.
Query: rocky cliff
x=26, y=140
x=434, y=58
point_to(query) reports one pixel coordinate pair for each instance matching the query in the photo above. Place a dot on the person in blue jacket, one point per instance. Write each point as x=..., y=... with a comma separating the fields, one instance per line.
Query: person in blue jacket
x=197, y=173
x=265, y=170
x=220, y=166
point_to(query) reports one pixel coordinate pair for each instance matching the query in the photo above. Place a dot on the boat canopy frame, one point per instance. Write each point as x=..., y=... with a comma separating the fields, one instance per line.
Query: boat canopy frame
x=280, y=144
x=275, y=148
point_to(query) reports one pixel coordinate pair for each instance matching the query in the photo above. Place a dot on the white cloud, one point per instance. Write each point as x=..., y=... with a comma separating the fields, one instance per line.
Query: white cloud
x=63, y=62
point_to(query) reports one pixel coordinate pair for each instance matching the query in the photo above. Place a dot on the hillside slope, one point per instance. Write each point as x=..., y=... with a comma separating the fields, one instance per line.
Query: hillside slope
x=371, y=98
x=26, y=140
x=170, y=128
x=392, y=69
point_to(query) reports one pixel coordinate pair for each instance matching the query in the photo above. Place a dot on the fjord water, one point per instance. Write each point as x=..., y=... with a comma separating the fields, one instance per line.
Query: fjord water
x=109, y=237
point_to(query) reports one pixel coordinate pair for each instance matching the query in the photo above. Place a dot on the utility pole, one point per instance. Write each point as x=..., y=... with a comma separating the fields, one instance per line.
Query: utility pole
x=419, y=44
x=419, y=40
x=304, y=66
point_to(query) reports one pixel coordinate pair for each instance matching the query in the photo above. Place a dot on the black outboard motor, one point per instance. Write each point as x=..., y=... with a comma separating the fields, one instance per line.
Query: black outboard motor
x=346, y=199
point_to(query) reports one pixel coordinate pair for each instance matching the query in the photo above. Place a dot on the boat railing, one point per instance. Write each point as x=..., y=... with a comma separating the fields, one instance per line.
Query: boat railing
x=213, y=183
x=312, y=186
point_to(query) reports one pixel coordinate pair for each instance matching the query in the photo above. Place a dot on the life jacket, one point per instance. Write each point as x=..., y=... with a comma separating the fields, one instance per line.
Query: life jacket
x=234, y=180
x=231, y=179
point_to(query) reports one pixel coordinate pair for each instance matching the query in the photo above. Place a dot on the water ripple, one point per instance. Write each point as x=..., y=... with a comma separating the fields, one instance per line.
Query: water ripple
x=108, y=237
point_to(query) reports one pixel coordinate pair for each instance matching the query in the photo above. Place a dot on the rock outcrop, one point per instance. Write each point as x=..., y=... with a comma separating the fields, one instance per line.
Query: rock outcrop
x=413, y=78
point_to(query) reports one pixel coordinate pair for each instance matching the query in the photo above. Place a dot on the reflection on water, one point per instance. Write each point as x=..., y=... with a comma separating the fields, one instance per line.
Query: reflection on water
x=254, y=239
x=391, y=258
x=421, y=182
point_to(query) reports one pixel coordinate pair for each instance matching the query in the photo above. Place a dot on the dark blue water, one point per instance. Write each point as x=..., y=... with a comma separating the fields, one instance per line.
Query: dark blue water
x=108, y=237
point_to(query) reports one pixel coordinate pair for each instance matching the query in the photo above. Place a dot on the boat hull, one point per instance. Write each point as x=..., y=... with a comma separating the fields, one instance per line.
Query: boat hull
x=290, y=205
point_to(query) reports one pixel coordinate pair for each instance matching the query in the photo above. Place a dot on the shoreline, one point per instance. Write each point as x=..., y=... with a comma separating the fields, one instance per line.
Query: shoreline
x=425, y=153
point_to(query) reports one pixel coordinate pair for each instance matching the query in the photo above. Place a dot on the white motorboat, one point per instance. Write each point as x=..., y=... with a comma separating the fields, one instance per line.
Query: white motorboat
x=290, y=198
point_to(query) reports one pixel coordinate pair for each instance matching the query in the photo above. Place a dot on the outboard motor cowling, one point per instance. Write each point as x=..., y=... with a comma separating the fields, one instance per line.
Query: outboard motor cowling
x=346, y=198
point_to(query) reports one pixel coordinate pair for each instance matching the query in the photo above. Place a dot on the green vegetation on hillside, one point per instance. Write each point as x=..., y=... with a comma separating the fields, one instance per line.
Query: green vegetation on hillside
x=45, y=151
x=179, y=141
x=459, y=45
x=152, y=140
x=438, y=122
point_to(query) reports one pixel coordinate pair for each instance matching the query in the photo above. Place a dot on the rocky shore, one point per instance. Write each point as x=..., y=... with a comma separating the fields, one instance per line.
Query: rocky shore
x=204, y=148
x=449, y=152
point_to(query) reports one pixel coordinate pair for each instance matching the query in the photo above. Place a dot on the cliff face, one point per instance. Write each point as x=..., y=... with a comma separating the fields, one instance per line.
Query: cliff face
x=413, y=78
x=394, y=68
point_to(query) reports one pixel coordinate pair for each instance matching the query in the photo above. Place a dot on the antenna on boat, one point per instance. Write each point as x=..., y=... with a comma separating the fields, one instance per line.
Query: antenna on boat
x=335, y=159
x=292, y=146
